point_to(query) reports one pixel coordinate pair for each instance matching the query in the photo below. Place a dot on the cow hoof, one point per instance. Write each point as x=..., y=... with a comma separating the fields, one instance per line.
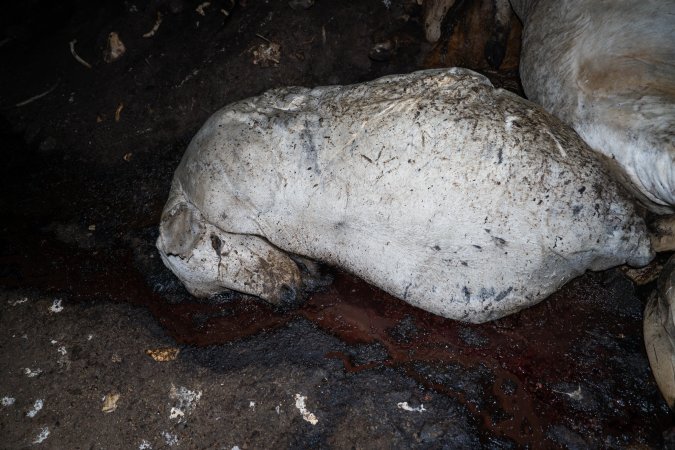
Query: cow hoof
x=314, y=276
x=287, y=298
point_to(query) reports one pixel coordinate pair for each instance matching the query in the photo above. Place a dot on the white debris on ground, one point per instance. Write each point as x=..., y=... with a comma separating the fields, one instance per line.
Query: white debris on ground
x=30, y=373
x=574, y=395
x=63, y=360
x=7, y=401
x=300, y=404
x=176, y=413
x=406, y=407
x=170, y=439
x=251, y=405
x=186, y=402
x=145, y=445
x=56, y=307
x=37, y=406
x=44, y=434
x=17, y=302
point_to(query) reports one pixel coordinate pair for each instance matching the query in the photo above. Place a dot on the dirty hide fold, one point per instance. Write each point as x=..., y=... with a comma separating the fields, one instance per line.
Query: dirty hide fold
x=461, y=199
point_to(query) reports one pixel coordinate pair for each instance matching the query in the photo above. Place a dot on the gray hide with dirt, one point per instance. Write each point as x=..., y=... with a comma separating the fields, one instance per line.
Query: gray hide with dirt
x=607, y=68
x=459, y=198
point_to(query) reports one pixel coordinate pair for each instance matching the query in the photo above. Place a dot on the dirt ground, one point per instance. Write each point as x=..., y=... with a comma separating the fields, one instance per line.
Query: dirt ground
x=101, y=347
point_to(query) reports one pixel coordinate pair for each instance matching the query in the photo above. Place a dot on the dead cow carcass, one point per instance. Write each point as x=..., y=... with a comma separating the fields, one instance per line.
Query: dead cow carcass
x=607, y=68
x=461, y=199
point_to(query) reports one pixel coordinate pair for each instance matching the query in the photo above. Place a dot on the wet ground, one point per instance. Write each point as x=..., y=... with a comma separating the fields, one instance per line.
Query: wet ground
x=86, y=305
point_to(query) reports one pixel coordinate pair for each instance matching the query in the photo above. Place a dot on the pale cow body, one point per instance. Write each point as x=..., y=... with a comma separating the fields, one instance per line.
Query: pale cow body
x=461, y=199
x=607, y=68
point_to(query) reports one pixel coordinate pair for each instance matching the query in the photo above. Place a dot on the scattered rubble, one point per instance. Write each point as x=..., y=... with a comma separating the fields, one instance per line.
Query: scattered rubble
x=266, y=54
x=42, y=436
x=30, y=373
x=163, y=354
x=37, y=406
x=202, y=7
x=110, y=402
x=406, y=407
x=306, y=415
x=56, y=307
x=169, y=438
x=17, y=302
x=186, y=402
x=115, y=49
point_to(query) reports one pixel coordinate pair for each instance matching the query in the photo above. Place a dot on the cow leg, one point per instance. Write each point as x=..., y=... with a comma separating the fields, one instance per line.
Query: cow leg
x=659, y=332
x=209, y=260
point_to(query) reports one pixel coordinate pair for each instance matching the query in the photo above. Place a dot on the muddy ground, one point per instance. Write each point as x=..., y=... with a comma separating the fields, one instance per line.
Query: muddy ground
x=85, y=303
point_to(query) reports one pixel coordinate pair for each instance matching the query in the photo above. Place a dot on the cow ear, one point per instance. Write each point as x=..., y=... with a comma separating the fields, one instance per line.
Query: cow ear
x=180, y=230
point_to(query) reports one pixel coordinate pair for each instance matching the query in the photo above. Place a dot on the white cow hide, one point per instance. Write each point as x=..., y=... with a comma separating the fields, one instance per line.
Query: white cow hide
x=459, y=198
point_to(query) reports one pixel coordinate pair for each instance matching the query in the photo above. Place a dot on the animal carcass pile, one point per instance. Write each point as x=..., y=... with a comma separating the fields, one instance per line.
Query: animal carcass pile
x=459, y=198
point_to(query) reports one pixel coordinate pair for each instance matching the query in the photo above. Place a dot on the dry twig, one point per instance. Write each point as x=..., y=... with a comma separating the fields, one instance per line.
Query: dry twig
x=158, y=22
x=118, y=111
x=202, y=6
x=76, y=56
x=37, y=97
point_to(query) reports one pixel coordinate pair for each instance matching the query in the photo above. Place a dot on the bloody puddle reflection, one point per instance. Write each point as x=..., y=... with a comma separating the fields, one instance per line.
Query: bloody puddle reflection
x=575, y=360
